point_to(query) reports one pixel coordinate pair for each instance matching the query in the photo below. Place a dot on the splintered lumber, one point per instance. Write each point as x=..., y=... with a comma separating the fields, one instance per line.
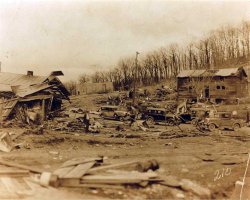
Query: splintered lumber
x=6, y=144
x=79, y=170
x=195, y=188
x=76, y=168
x=78, y=161
x=61, y=172
x=16, y=186
x=171, y=181
x=13, y=172
x=111, y=179
x=109, y=186
x=121, y=177
x=143, y=175
x=95, y=169
x=11, y=164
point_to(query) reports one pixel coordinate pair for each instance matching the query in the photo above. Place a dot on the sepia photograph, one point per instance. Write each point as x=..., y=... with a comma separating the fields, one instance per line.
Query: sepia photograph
x=124, y=99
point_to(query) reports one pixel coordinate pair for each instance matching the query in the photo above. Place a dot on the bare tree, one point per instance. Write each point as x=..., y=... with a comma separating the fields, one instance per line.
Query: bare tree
x=83, y=78
x=71, y=87
x=225, y=45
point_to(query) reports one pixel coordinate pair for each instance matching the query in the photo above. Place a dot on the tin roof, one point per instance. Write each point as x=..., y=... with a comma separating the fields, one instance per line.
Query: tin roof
x=216, y=72
x=25, y=90
x=227, y=72
x=10, y=79
x=23, y=85
x=198, y=73
x=186, y=73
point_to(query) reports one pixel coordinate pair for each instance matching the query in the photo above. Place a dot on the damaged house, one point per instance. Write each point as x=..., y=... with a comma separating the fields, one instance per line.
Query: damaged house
x=29, y=98
x=215, y=85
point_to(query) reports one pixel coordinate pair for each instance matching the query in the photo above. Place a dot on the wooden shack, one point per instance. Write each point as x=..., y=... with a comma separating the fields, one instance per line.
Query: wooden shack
x=27, y=97
x=217, y=85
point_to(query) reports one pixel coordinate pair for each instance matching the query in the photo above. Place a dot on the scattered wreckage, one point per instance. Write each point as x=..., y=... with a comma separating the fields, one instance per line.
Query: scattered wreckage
x=93, y=173
x=222, y=120
x=113, y=112
x=153, y=115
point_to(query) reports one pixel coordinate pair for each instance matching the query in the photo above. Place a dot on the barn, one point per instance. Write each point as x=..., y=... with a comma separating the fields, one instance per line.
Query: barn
x=215, y=85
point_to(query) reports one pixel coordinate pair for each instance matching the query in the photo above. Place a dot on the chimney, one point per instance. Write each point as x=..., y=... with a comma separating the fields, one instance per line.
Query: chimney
x=30, y=73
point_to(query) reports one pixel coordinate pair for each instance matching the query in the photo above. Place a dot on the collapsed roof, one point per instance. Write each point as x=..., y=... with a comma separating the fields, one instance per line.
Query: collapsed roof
x=20, y=85
x=18, y=89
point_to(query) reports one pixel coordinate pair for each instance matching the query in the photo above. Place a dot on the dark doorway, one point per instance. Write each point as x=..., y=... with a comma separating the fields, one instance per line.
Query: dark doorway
x=207, y=95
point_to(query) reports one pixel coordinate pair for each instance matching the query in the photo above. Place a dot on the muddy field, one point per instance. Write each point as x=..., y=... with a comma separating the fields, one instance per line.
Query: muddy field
x=213, y=160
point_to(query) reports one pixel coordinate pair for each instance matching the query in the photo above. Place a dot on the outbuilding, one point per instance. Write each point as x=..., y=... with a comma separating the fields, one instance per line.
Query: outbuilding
x=216, y=85
x=30, y=98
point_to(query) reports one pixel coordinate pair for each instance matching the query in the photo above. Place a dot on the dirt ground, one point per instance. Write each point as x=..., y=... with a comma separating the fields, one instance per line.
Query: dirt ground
x=189, y=154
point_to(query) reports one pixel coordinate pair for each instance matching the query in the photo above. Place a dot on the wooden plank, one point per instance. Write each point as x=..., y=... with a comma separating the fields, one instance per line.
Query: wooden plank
x=11, y=164
x=11, y=184
x=80, y=160
x=112, y=181
x=13, y=172
x=115, y=179
x=149, y=174
x=79, y=170
x=61, y=172
x=133, y=178
x=16, y=188
x=10, y=100
x=10, y=105
x=109, y=186
x=37, y=97
x=112, y=166
x=66, y=182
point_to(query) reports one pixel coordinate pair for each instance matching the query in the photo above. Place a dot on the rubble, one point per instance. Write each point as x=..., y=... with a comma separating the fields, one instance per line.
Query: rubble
x=94, y=173
x=178, y=134
x=6, y=144
x=62, y=136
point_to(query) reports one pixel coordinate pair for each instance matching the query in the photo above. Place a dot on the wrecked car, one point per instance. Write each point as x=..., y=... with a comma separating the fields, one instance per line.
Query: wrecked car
x=113, y=112
x=222, y=120
x=153, y=115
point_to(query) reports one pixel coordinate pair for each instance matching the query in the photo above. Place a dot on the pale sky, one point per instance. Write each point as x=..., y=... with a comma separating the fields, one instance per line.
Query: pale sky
x=83, y=36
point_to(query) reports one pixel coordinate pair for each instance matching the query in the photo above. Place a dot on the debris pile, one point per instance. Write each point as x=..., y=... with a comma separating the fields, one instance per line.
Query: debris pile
x=66, y=124
x=93, y=173
x=178, y=134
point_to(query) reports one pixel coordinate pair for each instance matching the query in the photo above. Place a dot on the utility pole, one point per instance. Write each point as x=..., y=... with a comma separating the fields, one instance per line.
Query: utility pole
x=135, y=76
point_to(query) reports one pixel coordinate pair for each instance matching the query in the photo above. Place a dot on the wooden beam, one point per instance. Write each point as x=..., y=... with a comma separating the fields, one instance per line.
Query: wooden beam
x=43, y=110
x=37, y=97
x=92, y=170
x=11, y=164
